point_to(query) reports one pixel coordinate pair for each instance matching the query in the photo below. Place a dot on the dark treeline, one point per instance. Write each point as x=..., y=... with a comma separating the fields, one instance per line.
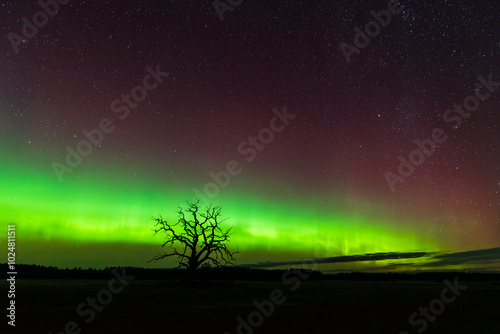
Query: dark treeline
x=25, y=271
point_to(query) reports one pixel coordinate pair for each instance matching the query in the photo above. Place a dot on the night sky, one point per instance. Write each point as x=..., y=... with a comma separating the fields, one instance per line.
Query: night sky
x=312, y=136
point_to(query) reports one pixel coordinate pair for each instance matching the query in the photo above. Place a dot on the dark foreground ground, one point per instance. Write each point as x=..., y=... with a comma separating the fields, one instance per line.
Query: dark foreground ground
x=45, y=306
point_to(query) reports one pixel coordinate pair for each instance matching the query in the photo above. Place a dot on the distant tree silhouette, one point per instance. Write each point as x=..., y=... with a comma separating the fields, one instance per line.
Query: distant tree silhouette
x=199, y=235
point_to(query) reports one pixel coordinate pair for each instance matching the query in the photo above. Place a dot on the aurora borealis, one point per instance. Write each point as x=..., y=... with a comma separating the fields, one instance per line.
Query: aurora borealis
x=315, y=190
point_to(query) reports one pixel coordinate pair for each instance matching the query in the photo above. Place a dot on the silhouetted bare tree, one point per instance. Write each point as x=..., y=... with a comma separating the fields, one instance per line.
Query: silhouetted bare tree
x=200, y=236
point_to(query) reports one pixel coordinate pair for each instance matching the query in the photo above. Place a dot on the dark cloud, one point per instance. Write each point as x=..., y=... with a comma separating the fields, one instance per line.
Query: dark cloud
x=486, y=258
x=343, y=259
x=476, y=257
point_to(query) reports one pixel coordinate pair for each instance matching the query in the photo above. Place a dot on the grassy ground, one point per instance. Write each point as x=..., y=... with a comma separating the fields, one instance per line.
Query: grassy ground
x=315, y=307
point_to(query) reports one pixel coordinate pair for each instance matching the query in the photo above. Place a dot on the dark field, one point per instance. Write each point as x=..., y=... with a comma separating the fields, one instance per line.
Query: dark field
x=45, y=306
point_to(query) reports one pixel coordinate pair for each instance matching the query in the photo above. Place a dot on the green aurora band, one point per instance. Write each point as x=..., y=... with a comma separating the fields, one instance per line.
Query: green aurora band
x=89, y=207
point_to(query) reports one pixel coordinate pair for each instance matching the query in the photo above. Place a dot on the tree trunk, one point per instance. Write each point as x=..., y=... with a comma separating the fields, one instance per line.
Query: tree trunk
x=191, y=272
